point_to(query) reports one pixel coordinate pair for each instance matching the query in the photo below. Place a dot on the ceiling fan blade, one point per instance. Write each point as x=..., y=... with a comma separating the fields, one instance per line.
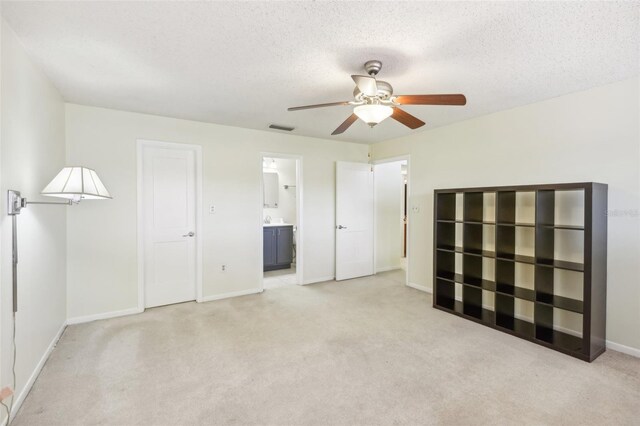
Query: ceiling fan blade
x=345, y=124
x=318, y=106
x=406, y=118
x=431, y=99
x=366, y=84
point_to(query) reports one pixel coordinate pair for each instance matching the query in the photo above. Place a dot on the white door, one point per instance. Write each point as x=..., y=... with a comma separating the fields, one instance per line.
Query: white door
x=354, y=220
x=169, y=213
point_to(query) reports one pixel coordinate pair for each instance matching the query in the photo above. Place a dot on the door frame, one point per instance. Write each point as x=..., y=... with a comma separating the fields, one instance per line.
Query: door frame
x=299, y=213
x=406, y=158
x=197, y=151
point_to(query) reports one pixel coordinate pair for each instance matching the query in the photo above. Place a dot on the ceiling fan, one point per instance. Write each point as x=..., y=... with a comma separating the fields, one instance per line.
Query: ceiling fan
x=374, y=101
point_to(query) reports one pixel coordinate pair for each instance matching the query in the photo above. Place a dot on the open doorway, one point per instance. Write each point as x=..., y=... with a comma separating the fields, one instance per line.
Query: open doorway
x=281, y=220
x=391, y=189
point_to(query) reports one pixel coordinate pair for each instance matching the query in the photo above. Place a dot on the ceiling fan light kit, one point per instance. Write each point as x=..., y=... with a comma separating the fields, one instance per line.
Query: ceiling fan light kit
x=374, y=101
x=373, y=114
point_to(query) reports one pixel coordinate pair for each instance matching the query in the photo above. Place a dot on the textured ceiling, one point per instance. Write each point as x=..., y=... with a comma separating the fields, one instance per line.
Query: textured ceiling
x=244, y=63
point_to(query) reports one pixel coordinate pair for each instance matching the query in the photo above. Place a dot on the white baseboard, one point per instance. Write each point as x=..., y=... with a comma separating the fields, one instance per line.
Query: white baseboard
x=622, y=348
x=420, y=287
x=19, y=399
x=319, y=280
x=231, y=294
x=104, y=315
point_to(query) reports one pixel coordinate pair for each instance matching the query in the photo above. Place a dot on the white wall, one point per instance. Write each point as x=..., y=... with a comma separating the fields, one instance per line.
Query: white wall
x=32, y=149
x=586, y=136
x=102, y=250
x=286, y=169
x=388, y=184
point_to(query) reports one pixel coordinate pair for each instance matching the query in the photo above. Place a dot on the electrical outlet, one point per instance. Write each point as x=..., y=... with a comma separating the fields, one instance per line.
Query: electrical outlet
x=212, y=209
x=415, y=209
x=224, y=268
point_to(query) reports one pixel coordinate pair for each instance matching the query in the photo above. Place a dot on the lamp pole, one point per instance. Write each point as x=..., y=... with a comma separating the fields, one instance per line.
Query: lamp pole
x=15, y=203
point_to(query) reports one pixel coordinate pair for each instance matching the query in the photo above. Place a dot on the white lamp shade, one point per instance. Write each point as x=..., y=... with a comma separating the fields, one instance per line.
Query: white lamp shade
x=76, y=183
x=373, y=114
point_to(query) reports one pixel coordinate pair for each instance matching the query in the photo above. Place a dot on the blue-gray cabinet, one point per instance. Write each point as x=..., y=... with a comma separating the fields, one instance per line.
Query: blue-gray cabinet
x=277, y=247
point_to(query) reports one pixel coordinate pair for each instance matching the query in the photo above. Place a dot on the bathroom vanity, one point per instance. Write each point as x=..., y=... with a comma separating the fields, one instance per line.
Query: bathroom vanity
x=277, y=246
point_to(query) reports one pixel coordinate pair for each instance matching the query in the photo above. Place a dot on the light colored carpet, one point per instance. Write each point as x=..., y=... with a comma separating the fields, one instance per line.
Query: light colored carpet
x=363, y=352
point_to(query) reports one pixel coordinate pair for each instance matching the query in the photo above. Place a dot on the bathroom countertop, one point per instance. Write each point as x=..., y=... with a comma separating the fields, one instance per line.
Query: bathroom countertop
x=276, y=224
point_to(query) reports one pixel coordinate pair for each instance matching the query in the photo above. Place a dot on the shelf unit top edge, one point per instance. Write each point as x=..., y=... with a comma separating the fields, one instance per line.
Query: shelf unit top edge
x=524, y=188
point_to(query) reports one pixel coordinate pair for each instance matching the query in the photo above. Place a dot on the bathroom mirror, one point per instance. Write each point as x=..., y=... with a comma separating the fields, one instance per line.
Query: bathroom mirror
x=270, y=189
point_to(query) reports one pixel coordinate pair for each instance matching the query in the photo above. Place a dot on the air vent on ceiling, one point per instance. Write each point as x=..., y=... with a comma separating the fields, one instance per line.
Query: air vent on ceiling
x=279, y=127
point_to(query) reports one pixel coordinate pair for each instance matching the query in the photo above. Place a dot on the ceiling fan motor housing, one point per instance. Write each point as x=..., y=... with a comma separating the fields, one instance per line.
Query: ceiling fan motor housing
x=384, y=91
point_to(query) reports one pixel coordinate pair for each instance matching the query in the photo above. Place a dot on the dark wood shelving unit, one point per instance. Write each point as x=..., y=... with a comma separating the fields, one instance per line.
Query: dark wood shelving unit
x=562, y=241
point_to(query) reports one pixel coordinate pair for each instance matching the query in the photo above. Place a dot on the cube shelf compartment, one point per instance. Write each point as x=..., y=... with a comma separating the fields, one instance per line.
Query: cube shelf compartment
x=527, y=260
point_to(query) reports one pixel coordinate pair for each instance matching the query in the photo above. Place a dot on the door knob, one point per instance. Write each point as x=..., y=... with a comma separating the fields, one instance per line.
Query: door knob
x=190, y=234
x=342, y=227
